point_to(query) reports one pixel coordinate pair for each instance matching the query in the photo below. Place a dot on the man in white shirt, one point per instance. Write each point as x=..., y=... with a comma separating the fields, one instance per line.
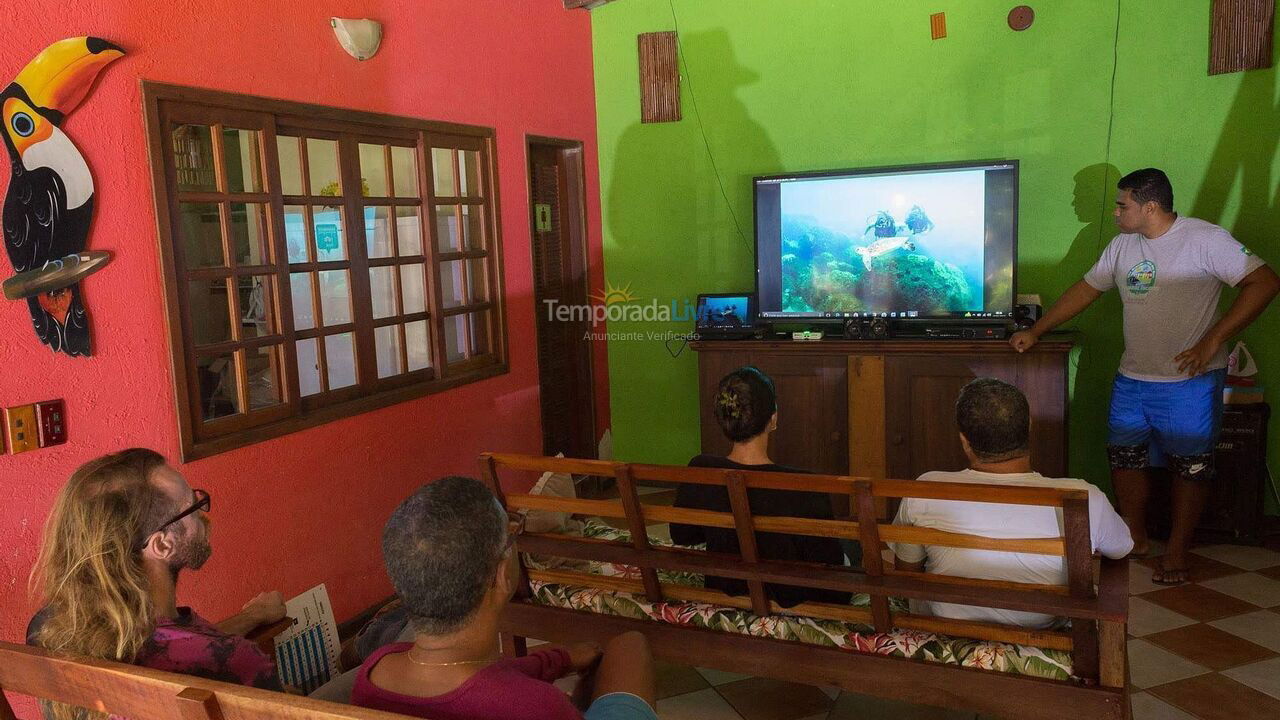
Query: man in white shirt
x=994, y=420
x=1166, y=402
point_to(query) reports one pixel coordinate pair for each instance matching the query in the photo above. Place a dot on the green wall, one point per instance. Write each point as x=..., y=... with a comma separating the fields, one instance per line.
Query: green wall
x=789, y=85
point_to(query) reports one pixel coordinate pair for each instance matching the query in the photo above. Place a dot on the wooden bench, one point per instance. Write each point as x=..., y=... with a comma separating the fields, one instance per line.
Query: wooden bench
x=140, y=693
x=1094, y=598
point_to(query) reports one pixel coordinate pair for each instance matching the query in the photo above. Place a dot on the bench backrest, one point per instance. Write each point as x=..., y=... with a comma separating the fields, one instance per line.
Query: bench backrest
x=1077, y=599
x=144, y=694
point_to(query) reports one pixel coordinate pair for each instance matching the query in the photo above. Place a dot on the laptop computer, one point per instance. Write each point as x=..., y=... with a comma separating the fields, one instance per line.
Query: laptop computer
x=725, y=316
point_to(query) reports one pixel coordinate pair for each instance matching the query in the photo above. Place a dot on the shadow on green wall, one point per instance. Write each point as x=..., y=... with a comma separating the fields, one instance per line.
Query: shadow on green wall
x=669, y=176
x=1244, y=157
x=1101, y=332
x=665, y=172
x=1245, y=154
x=1100, y=336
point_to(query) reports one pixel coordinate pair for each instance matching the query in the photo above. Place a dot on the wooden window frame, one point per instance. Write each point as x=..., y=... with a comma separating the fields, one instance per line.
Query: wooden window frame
x=165, y=105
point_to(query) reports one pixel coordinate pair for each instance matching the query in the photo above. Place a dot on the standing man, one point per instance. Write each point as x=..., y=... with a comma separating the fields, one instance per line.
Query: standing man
x=1169, y=271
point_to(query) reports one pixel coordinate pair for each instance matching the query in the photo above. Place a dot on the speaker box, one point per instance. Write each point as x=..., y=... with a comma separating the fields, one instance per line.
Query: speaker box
x=866, y=329
x=1024, y=316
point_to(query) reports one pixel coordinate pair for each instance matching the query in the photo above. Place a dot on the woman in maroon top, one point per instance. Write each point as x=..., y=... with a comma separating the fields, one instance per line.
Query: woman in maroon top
x=449, y=550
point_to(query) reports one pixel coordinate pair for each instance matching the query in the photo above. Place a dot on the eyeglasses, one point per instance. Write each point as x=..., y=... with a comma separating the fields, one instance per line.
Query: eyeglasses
x=515, y=528
x=202, y=503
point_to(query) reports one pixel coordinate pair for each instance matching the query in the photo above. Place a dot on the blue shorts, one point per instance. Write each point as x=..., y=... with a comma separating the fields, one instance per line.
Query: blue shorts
x=619, y=706
x=1159, y=423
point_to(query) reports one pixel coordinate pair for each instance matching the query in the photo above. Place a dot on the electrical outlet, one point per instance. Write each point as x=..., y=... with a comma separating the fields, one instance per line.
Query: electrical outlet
x=20, y=427
x=51, y=419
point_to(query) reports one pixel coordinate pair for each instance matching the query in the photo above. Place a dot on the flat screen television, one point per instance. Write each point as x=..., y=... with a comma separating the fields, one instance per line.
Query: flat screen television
x=923, y=242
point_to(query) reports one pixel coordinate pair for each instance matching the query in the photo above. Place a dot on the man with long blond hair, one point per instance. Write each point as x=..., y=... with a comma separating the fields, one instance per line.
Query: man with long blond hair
x=121, y=530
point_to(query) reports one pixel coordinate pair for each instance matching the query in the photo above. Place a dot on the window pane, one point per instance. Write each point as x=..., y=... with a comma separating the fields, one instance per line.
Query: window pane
x=210, y=312
x=263, y=368
x=249, y=233
x=201, y=234
x=217, y=379
x=455, y=338
x=417, y=345
x=340, y=356
x=387, y=340
x=408, y=231
x=377, y=231
x=295, y=232
x=479, y=327
x=473, y=224
x=308, y=367
x=469, y=174
x=373, y=170
x=303, y=309
x=451, y=289
x=257, y=316
x=331, y=241
x=447, y=235
x=322, y=162
x=242, y=158
x=335, y=297
x=478, y=291
x=382, y=289
x=442, y=171
x=404, y=171
x=193, y=157
x=412, y=288
x=289, y=151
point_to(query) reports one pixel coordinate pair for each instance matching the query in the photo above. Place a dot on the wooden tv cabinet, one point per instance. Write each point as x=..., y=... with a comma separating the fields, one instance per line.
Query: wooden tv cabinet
x=887, y=408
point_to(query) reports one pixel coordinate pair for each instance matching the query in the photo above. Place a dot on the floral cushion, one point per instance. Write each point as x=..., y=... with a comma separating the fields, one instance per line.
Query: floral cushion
x=920, y=645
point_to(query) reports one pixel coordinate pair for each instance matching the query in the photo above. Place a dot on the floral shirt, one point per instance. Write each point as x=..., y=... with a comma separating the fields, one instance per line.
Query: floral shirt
x=191, y=645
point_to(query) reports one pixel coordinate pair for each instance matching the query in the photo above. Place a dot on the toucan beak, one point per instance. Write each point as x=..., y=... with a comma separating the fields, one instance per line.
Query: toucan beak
x=62, y=74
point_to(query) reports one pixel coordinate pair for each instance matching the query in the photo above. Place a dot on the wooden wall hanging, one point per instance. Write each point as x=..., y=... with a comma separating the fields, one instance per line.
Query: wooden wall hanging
x=1240, y=35
x=1021, y=17
x=938, y=26
x=659, y=77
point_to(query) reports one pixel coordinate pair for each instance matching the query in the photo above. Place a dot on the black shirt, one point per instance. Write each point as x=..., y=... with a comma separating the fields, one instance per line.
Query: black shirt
x=772, y=546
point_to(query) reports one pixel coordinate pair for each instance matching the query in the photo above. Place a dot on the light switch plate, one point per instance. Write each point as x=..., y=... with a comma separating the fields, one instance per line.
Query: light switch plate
x=51, y=419
x=20, y=428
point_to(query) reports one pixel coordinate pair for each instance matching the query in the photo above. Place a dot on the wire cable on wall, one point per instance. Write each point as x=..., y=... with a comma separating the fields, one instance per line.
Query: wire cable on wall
x=1111, y=119
x=693, y=100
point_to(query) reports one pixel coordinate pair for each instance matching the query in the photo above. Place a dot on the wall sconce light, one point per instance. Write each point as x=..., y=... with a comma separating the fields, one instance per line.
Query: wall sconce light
x=360, y=38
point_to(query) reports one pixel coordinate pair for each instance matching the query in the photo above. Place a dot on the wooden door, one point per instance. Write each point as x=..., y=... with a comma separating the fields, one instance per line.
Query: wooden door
x=558, y=238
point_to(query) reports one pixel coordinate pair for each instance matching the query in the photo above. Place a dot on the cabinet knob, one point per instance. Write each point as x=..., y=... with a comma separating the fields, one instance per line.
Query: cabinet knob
x=897, y=438
x=835, y=436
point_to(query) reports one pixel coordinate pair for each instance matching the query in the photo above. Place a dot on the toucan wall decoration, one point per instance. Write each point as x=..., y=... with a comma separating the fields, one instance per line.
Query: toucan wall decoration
x=48, y=207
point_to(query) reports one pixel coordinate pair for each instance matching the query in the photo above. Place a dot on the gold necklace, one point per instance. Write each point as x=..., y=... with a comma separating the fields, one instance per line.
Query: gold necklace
x=409, y=654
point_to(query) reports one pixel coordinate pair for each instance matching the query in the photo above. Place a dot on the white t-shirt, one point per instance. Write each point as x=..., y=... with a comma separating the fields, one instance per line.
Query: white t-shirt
x=1109, y=535
x=1170, y=287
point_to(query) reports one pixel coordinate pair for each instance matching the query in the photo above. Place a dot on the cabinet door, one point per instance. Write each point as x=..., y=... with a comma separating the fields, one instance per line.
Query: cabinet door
x=920, y=409
x=813, y=411
x=812, y=407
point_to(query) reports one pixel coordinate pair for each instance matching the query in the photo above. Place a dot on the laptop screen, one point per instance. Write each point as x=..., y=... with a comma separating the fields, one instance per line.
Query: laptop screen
x=725, y=312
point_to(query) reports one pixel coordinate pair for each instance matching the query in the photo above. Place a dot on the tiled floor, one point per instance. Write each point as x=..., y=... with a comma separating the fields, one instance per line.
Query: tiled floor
x=1208, y=650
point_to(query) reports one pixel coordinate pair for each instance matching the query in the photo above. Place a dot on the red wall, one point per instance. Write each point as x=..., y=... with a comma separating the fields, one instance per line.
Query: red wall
x=308, y=507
